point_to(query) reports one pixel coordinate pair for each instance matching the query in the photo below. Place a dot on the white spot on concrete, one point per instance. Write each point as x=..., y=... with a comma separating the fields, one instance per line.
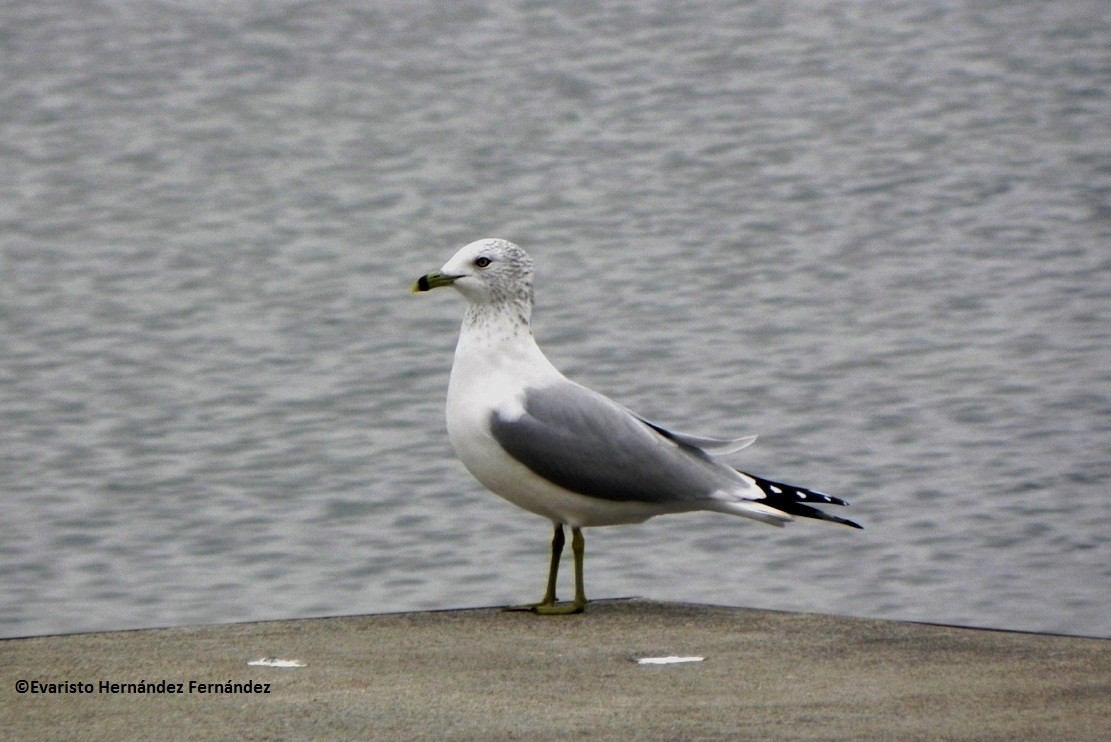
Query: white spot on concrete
x=275, y=662
x=669, y=660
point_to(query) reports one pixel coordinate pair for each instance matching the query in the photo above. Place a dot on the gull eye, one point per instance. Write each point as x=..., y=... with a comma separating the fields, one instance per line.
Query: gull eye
x=482, y=262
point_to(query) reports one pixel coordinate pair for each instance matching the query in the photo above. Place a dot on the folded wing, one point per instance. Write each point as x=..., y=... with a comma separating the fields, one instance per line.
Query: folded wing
x=588, y=444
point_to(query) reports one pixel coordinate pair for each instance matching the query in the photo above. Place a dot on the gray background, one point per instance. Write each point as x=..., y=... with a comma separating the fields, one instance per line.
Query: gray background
x=876, y=234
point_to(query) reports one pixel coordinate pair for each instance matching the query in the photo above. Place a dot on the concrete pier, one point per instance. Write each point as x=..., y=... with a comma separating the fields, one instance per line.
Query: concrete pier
x=489, y=674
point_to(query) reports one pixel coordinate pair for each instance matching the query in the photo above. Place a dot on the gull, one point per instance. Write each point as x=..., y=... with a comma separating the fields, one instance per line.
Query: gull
x=565, y=452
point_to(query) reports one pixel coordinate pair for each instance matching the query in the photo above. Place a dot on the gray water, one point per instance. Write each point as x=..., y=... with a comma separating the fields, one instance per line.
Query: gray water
x=876, y=234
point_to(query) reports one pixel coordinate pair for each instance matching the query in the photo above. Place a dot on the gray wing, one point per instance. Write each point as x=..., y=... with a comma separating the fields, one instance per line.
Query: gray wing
x=709, y=445
x=586, y=443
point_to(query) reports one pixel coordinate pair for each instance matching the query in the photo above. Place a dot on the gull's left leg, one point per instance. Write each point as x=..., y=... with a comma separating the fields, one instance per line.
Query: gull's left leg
x=578, y=605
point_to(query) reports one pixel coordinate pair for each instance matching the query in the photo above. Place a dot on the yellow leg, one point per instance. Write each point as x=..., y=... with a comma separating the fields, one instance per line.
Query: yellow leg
x=578, y=605
x=549, y=598
x=553, y=570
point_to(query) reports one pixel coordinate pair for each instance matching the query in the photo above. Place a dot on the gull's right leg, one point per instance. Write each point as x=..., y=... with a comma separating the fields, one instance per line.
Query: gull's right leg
x=549, y=598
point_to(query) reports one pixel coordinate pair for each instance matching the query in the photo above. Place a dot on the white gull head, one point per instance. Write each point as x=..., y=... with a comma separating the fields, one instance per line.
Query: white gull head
x=490, y=274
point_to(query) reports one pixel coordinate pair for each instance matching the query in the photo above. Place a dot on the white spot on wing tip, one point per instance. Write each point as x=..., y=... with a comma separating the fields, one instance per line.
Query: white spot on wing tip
x=669, y=660
x=776, y=490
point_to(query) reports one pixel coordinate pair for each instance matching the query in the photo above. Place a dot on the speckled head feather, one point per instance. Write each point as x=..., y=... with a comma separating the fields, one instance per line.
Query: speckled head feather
x=495, y=276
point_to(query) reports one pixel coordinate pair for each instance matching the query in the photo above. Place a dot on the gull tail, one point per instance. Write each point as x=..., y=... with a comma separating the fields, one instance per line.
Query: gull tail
x=794, y=500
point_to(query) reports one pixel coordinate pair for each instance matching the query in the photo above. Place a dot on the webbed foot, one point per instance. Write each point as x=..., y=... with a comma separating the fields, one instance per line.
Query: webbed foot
x=559, y=609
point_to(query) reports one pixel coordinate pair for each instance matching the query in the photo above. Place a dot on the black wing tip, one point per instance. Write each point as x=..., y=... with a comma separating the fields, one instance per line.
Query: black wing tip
x=798, y=501
x=843, y=521
x=778, y=492
x=805, y=511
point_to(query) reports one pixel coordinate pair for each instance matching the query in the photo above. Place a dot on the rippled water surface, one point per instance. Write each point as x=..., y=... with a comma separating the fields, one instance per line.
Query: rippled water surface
x=875, y=234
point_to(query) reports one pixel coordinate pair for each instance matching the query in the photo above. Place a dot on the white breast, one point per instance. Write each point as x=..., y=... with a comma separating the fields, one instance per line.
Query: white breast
x=493, y=367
